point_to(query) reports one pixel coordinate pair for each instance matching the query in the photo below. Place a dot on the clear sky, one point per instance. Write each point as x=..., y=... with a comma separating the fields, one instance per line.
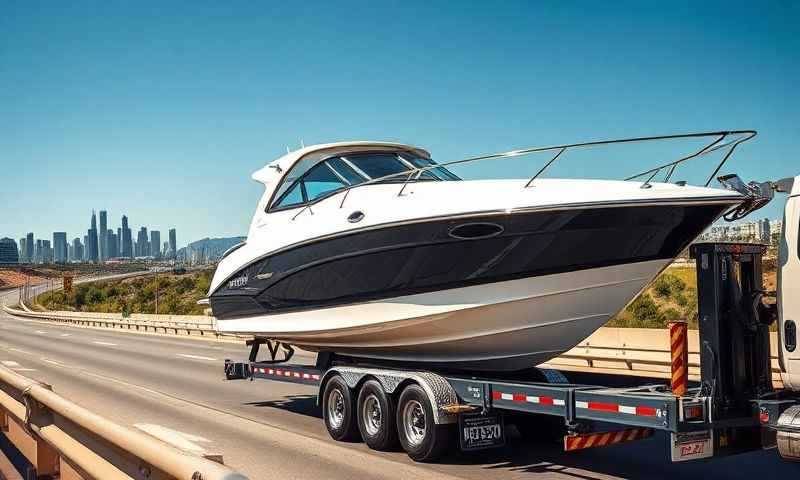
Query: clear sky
x=161, y=111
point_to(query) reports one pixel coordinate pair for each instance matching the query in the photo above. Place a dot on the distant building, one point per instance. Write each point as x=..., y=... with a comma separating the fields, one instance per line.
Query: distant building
x=38, y=256
x=142, y=243
x=47, y=252
x=85, y=248
x=30, y=246
x=173, y=244
x=60, y=250
x=77, y=250
x=103, y=256
x=8, y=251
x=155, y=244
x=92, y=248
x=127, y=240
x=23, y=252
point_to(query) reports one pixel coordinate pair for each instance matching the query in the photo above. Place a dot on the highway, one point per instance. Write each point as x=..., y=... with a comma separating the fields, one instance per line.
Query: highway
x=174, y=388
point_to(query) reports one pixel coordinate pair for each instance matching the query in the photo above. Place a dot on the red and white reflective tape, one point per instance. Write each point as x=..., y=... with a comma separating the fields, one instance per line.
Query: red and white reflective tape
x=521, y=397
x=639, y=410
x=287, y=373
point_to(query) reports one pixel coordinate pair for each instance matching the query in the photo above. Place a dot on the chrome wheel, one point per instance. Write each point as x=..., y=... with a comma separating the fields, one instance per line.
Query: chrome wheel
x=335, y=408
x=414, y=422
x=371, y=415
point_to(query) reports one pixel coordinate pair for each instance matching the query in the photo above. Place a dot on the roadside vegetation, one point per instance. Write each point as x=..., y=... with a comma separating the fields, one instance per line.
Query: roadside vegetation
x=177, y=295
x=672, y=296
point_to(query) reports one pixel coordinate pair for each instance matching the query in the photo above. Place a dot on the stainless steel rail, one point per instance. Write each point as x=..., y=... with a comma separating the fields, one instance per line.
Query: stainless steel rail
x=64, y=440
x=733, y=137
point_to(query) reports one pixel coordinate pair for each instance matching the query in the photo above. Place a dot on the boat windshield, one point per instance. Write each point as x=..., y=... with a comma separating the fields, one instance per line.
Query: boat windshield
x=337, y=173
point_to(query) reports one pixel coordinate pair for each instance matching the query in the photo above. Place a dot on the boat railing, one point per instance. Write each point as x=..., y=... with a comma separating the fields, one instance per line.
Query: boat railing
x=718, y=141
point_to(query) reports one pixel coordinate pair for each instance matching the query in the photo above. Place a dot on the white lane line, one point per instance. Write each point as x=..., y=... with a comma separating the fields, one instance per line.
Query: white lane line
x=19, y=350
x=181, y=440
x=41, y=332
x=16, y=366
x=196, y=357
x=53, y=362
x=98, y=342
x=65, y=334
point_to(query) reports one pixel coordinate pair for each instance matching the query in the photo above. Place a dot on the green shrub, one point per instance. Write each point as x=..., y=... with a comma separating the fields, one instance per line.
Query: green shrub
x=668, y=285
x=646, y=313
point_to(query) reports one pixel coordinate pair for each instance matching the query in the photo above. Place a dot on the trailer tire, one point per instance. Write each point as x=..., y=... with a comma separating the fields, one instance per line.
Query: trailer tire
x=376, y=416
x=338, y=410
x=421, y=438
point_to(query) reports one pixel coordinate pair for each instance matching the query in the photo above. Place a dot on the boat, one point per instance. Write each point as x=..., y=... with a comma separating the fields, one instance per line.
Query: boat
x=372, y=250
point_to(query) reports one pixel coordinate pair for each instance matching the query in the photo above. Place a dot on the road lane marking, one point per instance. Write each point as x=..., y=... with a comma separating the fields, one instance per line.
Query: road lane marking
x=16, y=366
x=41, y=332
x=65, y=334
x=19, y=350
x=53, y=362
x=196, y=357
x=181, y=440
x=98, y=342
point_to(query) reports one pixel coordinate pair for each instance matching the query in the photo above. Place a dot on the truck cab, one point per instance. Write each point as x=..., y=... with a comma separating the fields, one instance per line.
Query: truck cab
x=789, y=285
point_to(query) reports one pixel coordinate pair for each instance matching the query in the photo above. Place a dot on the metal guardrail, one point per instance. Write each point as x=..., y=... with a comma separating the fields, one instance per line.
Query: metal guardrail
x=61, y=439
x=639, y=351
x=167, y=324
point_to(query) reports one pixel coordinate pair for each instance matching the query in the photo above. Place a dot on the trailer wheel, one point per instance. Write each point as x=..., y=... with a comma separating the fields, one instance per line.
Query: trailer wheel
x=421, y=438
x=338, y=410
x=376, y=417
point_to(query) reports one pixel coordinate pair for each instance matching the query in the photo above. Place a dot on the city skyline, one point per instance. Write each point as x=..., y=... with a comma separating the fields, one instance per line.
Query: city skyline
x=94, y=245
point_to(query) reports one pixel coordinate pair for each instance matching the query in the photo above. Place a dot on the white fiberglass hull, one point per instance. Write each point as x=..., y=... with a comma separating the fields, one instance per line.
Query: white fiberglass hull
x=506, y=325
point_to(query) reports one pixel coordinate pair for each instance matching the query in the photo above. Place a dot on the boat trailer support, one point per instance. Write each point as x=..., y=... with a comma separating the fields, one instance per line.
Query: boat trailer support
x=273, y=347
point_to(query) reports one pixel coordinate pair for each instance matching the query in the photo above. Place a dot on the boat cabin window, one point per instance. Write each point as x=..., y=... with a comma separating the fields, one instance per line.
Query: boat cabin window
x=337, y=173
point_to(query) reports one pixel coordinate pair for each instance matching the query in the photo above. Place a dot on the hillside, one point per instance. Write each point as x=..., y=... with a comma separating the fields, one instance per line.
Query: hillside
x=672, y=296
x=177, y=295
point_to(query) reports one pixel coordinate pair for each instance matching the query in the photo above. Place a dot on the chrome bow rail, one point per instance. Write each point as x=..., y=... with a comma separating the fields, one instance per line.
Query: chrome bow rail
x=719, y=140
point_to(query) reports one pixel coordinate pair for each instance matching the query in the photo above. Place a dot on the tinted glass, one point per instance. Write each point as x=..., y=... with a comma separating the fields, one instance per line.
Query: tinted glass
x=440, y=173
x=345, y=171
x=293, y=197
x=320, y=181
x=378, y=165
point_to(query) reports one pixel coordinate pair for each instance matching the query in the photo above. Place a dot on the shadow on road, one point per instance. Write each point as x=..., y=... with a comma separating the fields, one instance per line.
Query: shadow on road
x=302, y=404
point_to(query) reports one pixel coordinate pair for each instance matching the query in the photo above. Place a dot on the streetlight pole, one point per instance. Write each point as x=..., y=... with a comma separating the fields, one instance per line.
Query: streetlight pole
x=156, y=292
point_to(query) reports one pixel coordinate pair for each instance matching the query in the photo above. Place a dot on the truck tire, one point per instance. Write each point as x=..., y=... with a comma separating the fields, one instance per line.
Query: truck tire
x=421, y=438
x=376, y=416
x=338, y=410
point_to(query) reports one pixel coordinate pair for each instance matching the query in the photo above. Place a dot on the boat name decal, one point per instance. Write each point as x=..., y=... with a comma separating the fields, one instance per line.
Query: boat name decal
x=238, y=282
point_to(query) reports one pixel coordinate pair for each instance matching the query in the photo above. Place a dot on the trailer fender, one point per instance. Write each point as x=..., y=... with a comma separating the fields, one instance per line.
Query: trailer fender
x=439, y=391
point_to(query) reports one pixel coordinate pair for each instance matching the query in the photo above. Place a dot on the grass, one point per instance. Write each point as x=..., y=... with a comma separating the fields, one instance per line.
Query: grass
x=177, y=295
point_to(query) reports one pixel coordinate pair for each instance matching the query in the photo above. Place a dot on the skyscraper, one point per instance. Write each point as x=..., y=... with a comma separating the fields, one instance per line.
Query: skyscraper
x=103, y=235
x=38, y=256
x=47, y=252
x=119, y=241
x=85, y=255
x=8, y=251
x=127, y=241
x=172, y=244
x=23, y=252
x=142, y=244
x=111, y=244
x=29, y=248
x=77, y=250
x=92, y=247
x=155, y=244
x=60, y=247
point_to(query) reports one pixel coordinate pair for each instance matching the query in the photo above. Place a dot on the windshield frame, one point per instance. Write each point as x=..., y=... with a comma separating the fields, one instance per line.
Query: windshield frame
x=278, y=196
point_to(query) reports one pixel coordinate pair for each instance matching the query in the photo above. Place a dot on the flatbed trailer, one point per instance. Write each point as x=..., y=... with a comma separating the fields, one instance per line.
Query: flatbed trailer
x=733, y=409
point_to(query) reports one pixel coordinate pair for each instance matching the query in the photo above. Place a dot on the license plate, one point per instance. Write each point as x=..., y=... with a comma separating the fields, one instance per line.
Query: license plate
x=481, y=431
x=691, y=445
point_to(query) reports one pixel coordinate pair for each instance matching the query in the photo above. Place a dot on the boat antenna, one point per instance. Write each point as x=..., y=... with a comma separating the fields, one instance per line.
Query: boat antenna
x=302, y=145
x=287, y=149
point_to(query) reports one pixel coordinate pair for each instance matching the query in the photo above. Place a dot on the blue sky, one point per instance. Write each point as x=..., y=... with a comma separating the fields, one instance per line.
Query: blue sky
x=162, y=111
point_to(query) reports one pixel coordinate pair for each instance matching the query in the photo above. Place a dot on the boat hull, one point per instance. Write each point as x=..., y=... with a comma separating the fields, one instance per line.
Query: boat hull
x=508, y=325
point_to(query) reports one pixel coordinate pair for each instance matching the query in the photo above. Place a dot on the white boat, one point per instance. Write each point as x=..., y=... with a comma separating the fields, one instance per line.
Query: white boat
x=371, y=250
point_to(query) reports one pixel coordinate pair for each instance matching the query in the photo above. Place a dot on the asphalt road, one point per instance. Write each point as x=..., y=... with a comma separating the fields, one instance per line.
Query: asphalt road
x=174, y=388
